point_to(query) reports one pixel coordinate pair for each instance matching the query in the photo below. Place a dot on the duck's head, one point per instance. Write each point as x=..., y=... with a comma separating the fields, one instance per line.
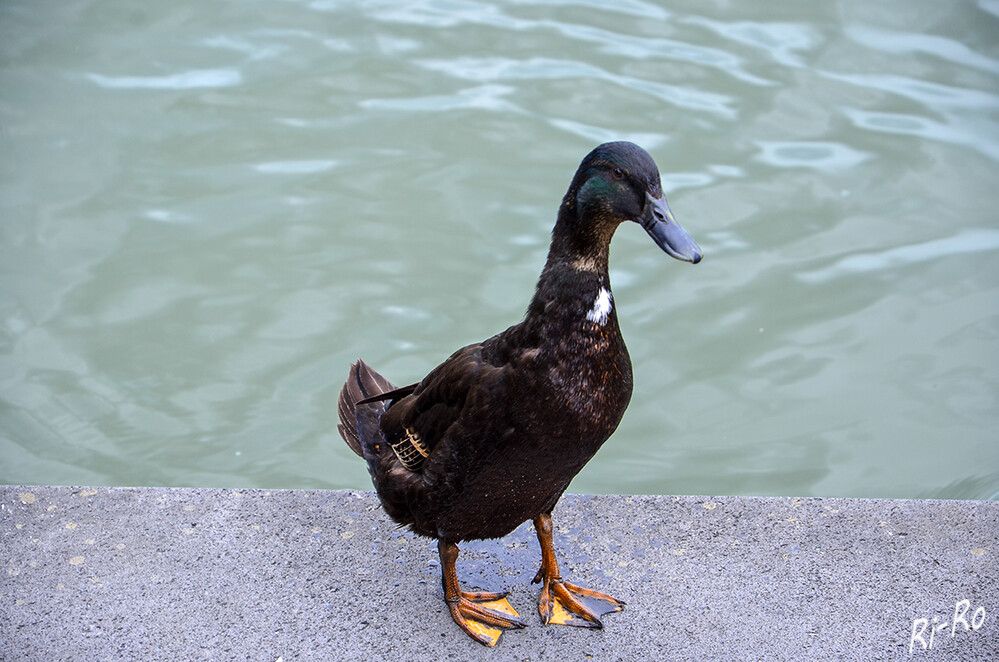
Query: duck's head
x=619, y=182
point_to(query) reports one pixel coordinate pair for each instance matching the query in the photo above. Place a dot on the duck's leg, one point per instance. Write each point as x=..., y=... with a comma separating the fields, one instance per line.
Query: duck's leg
x=483, y=616
x=561, y=602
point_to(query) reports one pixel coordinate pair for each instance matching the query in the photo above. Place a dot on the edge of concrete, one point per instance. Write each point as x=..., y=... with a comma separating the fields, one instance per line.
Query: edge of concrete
x=222, y=574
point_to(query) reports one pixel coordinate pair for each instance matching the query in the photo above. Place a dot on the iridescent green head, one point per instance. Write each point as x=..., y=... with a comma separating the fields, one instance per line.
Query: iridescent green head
x=619, y=182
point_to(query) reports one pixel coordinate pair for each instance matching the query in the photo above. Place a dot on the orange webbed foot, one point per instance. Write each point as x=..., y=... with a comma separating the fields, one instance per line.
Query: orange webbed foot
x=484, y=616
x=563, y=603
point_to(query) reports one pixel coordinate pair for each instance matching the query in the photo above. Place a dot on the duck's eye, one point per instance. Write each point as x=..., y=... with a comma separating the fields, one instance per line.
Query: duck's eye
x=618, y=173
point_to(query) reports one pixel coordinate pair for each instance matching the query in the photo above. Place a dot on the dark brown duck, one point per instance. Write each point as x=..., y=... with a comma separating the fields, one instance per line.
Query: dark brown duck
x=492, y=437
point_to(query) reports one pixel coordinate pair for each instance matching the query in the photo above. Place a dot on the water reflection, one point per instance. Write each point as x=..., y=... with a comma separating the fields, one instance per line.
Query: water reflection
x=296, y=167
x=963, y=134
x=919, y=43
x=967, y=241
x=818, y=155
x=480, y=97
x=780, y=41
x=183, y=81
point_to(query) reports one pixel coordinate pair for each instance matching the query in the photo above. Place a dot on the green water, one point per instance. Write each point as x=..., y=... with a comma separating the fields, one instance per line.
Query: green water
x=208, y=209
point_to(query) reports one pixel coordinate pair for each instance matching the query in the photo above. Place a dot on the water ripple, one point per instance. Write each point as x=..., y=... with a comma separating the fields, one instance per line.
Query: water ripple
x=990, y=6
x=827, y=156
x=166, y=216
x=974, y=240
x=296, y=167
x=428, y=14
x=967, y=134
x=484, y=97
x=485, y=69
x=255, y=51
x=908, y=43
x=616, y=43
x=601, y=135
x=645, y=10
x=931, y=95
x=781, y=41
x=451, y=14
x=198, y=78
x=498, y=68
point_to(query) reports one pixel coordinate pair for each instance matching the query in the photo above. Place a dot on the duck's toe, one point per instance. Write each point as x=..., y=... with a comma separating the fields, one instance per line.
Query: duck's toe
x=484, y=616
x=562, y=603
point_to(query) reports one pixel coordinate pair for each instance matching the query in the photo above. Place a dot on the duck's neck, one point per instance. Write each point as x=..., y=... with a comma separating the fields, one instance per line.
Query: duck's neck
x=580, y=243
x=574, y=282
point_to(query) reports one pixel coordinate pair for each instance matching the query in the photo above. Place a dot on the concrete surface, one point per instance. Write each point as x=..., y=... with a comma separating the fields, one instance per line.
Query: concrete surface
x=194, y=574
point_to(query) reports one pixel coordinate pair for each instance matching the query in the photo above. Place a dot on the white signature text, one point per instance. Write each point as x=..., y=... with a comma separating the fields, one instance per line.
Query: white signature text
x=924, y=629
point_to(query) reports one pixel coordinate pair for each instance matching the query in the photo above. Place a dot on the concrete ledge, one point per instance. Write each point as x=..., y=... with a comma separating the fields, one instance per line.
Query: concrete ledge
x=191, y=574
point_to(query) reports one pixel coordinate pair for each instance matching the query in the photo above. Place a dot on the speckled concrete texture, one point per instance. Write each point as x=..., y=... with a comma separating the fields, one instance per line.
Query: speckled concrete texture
x=194, y=574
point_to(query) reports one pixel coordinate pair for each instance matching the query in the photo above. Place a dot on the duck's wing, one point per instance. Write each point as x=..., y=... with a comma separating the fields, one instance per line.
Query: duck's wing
x=474, y=388
x=464, y=388
x=433, y=435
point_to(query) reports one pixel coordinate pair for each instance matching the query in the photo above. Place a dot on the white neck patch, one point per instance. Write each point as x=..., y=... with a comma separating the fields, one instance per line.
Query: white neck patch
x=602, y=307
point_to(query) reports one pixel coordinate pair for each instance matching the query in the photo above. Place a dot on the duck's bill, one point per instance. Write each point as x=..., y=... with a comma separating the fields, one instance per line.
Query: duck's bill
x=658, y=221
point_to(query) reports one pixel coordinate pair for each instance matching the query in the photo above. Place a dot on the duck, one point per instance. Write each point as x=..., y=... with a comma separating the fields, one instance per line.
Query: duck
x=492, y=437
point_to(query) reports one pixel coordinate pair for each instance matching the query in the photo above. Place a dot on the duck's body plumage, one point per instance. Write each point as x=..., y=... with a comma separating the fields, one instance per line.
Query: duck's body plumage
x=505, y=424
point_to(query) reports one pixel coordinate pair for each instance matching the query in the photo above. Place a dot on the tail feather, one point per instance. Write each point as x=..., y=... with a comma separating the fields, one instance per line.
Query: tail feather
x=362, y=383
